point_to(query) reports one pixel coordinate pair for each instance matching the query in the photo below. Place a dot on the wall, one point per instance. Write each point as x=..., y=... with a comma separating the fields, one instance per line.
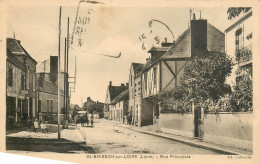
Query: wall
x=179, y=124
x=235, y=130
x=229, y=129
x=146, y=113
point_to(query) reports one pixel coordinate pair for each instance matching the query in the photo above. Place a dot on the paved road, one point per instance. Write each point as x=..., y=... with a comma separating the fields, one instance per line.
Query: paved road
x=108, y=138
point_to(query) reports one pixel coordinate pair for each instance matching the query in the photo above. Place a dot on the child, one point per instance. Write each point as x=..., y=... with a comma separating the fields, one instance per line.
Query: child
x=46, y=127
x=36, y=125
x=43, y=127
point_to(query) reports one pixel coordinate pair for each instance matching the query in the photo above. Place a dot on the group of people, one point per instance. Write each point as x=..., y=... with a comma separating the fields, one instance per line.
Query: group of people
x=84, y=119
x=36, y=125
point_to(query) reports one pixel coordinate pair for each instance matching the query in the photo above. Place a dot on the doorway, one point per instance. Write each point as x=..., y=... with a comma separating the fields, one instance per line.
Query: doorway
x=198, y=129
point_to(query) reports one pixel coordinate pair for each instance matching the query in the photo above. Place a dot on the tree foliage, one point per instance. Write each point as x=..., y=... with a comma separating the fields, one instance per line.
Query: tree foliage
x=203, y=79
x=236, y=11
x=242, y=97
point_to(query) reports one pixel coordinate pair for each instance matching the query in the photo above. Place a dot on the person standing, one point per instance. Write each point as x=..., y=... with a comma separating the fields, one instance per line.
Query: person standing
x=36, y=125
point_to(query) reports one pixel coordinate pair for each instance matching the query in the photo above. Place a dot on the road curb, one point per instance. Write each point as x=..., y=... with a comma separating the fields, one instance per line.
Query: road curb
x=202, y=145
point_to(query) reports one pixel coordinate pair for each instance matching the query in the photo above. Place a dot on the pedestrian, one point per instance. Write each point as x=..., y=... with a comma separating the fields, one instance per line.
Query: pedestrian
x=92, y=119
x=29, y=124
x=43, y=127
x=36, y=125
x=125, y=120
x=46, y=127
x=87, y=120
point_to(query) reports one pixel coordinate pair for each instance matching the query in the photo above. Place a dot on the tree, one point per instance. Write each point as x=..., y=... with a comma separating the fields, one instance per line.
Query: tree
x=204, y=79
x=242, y=97
x=236, y=11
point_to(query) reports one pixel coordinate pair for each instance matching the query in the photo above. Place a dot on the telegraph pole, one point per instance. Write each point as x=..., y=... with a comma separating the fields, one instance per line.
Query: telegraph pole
x=58, y=114
x=64, y=87
x=67, y=78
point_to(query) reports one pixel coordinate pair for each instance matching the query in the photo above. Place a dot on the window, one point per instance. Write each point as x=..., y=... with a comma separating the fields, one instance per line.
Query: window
x=22, y=82
x=33, y=82
x=145, y=81
x=27, y=79
x=10, y=76
x=239, y=38
x=154, y=76
x=48, y=106
x=39, y=105
x=51, y=105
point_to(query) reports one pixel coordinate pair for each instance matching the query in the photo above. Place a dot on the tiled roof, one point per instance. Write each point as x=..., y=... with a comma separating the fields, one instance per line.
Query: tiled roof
x=121, y=97
x=11, y=58
x=115, y=90
x=16, y=48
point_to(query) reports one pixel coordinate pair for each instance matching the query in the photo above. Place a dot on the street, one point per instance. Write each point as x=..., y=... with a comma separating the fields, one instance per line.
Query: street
x=106, y=137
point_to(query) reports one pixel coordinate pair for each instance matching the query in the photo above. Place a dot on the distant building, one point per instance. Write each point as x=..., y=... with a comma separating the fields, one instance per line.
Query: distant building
x=94, y=107
x=119, y=106
x=111, y=93
x=29, y=105
x=239, y=44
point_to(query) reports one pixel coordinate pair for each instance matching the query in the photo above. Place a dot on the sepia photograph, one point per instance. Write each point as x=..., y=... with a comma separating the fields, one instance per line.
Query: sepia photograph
x=100, y=80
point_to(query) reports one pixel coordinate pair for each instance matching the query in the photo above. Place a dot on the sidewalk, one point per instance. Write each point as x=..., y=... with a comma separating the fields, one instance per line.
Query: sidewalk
x=23, y=140
x=151, y=130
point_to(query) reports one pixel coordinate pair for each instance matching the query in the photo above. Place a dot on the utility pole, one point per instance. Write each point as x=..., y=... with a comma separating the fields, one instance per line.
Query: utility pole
x=67, y=78
x=64, y=86
x=59, y=75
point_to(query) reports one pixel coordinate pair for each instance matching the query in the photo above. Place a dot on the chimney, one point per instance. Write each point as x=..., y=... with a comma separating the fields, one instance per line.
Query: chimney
x=88, y=98
x=41, y=79
x=194, y=16
x=198, y=36
x=165, y=43
x=122, y=84
x=54, y=69
x=127, y=86
x=110, y=83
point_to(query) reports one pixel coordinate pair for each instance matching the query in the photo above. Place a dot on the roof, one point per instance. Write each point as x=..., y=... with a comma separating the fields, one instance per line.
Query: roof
x=137, y=67
x=121, y=97
x=243, y=18
x=158, y=49
x=11, y=58
x=115, y=90
x=16, y=48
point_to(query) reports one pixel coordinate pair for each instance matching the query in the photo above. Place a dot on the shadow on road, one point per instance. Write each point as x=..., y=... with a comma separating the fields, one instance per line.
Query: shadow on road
x=46, y=145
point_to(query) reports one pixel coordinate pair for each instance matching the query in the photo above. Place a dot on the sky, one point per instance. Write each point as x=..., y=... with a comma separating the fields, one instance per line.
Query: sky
x=110, y=30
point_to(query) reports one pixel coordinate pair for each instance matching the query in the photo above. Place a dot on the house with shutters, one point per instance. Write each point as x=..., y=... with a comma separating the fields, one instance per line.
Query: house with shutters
x=29, y=104
x=164, y=67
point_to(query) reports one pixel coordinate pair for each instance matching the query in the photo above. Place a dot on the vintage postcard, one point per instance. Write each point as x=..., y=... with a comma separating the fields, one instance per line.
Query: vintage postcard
x=130, y=81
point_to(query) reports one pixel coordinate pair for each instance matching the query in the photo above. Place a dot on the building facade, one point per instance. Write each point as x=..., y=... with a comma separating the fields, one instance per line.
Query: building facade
x=15, y=89
x=239, y=44
x=134, y=106
x=119, y=107
x=164, y=67
x=111, y=93
x=29, y=104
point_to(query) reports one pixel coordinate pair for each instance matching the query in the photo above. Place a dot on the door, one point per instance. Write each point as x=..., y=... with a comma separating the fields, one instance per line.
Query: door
x=197, y=122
